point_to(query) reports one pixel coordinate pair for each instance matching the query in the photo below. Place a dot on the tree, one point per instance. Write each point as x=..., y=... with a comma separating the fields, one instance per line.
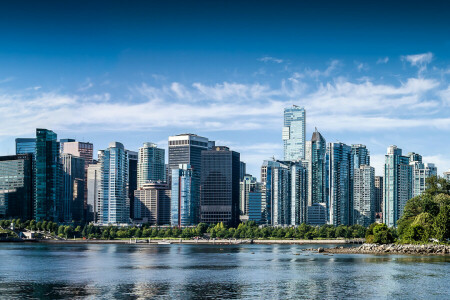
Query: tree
x=68, y=231
x=382, y=234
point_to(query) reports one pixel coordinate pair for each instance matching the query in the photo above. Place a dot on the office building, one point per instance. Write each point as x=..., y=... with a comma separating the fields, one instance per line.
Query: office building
x=247, y=185
x=186, y=149
x=317, y=214
x=93, y=195
x=379, y=194
x=299, y=192
x=294, y=133
x=184, y=209
x=73, y=187
x=397, y=185
x=220, y=186
x=316, y=155
x=152, y=203
x=113, y=189
x=364, y=195
x=242, y=170
x=16, y=187
x=132, y=177
x=48, y=177
x=255, y=200
x=339, y=165
x=84, y=150
x=151, y=164
x=25, y=145
x=276, y=183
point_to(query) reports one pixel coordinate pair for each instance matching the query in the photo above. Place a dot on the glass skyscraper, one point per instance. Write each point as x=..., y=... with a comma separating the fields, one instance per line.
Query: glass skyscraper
x=48, y=178
x=294, y=132
x=151, y=164
x=25, y=145
x=397, y=185
x=299, y=192
x=184, y=209
x=316, y=155
x=115, y=204
x=73, y=187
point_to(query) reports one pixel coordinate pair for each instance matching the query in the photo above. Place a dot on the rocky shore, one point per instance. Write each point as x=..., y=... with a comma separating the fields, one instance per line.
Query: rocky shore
x=430, y=249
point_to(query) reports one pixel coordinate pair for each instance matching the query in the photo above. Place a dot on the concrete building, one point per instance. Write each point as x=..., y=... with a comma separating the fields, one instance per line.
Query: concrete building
x=293, y=134
x=113, y=189
x=152, y=203
x=16, y=186
x=299, y=192
x=421, y=172
x=364, y=195
x=397, y=185
x=220, y=186
x=93, y=196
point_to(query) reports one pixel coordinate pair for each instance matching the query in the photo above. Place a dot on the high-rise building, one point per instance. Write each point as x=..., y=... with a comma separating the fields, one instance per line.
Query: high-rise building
x=339, y=166
x=249, y=184
x=25, y=145
x=364, y=195
x=184, y=210
x=379, y=194
x=152, y=203
x=220, y=186
x=299, y=192
x=114, y=201
x=73, y=187
x=255, y=200
x=151, y=164
x=397, y=185
x=93, y=189
x=317, y=214
x=360, y=156
x=242, y=170
x=16, y=186
x=294, y=131
x=421, y=172
x=316, y=155
x=48, y=177
x=276, y=183
x=132, y=178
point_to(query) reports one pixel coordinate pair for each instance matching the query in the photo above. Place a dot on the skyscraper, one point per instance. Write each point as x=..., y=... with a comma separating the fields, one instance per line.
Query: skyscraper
x=275, y=179
x=360, y=156
x=364, y=195
x=397, y=185
x=379, y=194
x=299, y=192
x=152, y=203
x=242, y=170
x=339, y=165
x=93, y=197
x=316, y=151
x=48, y=179
x=249, y=184
x=25, y=145
x=115, y=204
x=151, y=164
x=184, y=210
x=16, y=186
x=132, y=178
x=294, y=131
x=73, y=187
x=187, y=149
x=220, y=186
x=420, y=174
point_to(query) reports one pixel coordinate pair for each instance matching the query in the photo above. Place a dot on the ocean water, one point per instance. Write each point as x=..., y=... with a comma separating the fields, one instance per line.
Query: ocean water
x=137, y=271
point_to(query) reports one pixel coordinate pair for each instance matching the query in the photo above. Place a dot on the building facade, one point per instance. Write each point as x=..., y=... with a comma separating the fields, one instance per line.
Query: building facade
x=247, y=185
x=114, y=201
x=25, y=145
x=151, y=164
x=299, y=192
x=93, y=193
x=184, y=209
x=294, y=133
x=379, y=194
x=364, y=195
x=16, y=187
x=447, y=175
x=421, y=172
x=316, y=155
x=220, y=186
x=132, y=177
x=48, y=177
x=152, y=203
x=73, y=187
x=397, y=185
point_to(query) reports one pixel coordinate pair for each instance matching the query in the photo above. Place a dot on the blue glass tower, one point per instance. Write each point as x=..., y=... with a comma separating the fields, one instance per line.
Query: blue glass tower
x=294, y=130
x=183, y=206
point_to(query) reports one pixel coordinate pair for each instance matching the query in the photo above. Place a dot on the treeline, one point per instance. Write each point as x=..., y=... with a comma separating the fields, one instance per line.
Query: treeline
x=248, y=230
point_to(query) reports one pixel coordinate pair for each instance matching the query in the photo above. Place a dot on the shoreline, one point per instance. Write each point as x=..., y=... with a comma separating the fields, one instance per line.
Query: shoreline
x=396, y=249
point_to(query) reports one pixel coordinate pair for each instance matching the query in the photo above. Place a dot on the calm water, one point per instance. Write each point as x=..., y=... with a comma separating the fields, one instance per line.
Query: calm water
x=234, y=271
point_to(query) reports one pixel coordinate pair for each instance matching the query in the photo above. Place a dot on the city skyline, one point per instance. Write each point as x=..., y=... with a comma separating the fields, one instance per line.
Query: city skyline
x=163, y=74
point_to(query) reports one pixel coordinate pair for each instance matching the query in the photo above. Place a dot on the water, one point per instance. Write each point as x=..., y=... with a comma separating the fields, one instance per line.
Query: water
x=55, y=271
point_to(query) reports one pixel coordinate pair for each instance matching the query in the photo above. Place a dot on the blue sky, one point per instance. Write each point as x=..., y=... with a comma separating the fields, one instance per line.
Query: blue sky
x=376, y=74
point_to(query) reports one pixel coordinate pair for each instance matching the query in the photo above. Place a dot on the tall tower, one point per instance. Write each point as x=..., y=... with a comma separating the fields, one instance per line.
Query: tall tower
x=151, y=164
x=115, y=204
x=397, y=185
x=316, y=151
x=48, y=179
x=364, y=195
x=294, y=131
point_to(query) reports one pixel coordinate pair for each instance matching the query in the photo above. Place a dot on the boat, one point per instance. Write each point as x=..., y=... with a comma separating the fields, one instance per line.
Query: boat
x=163, y=243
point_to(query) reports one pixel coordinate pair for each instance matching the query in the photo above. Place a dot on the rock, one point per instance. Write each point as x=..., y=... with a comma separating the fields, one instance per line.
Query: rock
x=320, y=250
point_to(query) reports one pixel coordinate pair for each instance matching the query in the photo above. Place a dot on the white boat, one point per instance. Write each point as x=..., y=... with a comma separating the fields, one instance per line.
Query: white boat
x=163, y=243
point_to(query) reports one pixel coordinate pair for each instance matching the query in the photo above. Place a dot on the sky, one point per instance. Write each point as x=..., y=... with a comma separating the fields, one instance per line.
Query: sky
x=367, y=73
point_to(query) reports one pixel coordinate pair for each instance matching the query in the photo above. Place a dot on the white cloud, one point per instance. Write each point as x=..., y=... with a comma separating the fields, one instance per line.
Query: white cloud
x=86, y=85
x=383, y=60
x=334, y=64
x=270, y=59
x=419, y=60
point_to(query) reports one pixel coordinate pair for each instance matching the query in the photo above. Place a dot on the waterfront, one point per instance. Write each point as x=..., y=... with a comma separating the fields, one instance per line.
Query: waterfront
x=214, y=271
